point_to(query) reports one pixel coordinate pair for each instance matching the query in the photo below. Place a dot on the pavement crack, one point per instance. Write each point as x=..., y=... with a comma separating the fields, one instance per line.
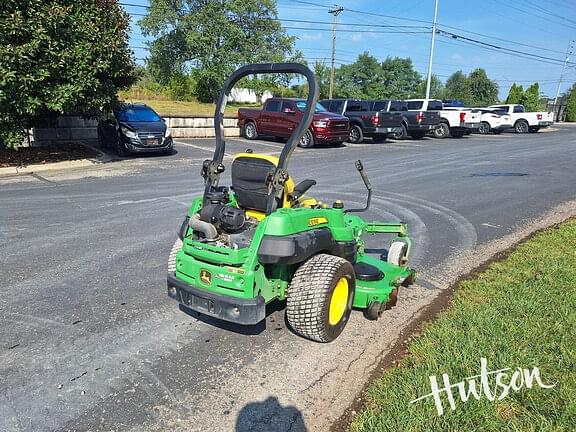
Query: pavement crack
x=79, y=376
x=321, y=378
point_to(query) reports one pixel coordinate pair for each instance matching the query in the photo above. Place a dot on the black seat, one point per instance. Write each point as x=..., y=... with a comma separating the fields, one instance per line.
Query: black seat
x=367, y=272
x=249, y=175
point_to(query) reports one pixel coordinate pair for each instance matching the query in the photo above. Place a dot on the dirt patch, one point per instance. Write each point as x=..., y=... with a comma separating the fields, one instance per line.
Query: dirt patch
x=494, y=251
x=47, y=154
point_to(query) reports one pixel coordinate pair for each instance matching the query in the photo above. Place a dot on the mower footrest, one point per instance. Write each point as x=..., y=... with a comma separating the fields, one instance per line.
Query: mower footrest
x=233, y=309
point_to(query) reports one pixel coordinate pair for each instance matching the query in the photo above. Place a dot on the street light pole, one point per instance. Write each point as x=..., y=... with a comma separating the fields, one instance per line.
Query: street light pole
x=335, y=12
x=429, y=78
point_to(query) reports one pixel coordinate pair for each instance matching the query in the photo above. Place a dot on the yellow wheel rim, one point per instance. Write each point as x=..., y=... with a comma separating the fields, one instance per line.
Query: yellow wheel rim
x=338, y=302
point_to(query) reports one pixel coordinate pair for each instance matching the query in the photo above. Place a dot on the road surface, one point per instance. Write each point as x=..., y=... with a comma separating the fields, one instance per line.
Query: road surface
x=90, y=340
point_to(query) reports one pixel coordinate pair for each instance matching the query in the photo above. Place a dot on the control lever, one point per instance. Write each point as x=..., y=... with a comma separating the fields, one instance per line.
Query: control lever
x=360, y=168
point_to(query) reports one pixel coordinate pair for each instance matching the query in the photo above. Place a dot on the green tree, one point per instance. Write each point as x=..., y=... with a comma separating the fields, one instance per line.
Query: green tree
x=571, y=104
x=437, y=90
x=213, y=37
x=60, y=56
x=362, y=79
x=457, y=87
x=515, y=94
x=531, y=98
x=483, y=91
x=322, y=72
x=400, y=80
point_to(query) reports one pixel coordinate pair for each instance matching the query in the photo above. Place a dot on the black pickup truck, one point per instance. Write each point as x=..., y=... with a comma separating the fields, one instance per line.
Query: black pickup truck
x=365, y=120
x=415, y=124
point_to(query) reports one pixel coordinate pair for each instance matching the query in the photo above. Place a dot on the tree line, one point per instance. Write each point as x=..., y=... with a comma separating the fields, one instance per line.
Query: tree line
x=69, y=57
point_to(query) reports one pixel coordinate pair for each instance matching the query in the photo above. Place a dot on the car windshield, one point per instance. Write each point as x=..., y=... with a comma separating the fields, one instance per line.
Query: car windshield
x=137, y=114
x=301, y=105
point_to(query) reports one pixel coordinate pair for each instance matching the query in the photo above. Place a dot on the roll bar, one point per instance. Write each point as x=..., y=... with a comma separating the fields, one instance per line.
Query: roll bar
x=211, y=170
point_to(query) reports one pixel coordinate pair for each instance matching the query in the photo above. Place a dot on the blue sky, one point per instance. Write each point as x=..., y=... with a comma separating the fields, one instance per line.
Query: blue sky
x=548, y=25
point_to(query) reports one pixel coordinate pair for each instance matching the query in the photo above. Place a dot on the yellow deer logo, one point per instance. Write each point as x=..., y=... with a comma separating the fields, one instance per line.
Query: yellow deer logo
x=205, y=277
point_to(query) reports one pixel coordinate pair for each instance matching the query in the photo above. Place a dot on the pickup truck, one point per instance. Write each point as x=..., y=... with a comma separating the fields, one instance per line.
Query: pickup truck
x=280, y=116
x=365, y=120
x=415, y=124
x=454, y=121
x=526, y=121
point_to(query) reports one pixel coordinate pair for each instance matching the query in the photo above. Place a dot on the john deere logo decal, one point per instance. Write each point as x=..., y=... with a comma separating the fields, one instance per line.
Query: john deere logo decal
x=205, y=277
x=317, y=221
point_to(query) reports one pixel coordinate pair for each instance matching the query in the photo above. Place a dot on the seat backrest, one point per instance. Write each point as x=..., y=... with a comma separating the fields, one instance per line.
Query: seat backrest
x=249, y=174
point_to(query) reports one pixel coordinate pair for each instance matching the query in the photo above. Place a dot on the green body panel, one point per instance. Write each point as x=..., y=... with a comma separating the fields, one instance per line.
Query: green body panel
x=238, y=273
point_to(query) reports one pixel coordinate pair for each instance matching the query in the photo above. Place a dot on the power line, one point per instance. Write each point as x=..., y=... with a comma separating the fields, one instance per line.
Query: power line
x=496, y=47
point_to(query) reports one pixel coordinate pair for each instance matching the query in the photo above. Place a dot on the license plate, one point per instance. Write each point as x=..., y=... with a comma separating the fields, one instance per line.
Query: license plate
x=197, y=302
x=151, y=142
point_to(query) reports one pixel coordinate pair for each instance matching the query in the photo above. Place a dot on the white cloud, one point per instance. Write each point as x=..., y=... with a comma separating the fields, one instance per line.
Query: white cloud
x=357, y=37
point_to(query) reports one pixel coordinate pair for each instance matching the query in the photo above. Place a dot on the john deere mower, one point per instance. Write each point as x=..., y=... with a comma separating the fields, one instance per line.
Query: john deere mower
x=262, y=240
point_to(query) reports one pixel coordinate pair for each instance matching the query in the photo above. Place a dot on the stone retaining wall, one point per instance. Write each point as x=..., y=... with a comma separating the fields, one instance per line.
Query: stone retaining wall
x=69, y=128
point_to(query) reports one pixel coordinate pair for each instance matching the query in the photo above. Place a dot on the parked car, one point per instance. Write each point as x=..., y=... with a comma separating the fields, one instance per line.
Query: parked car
x=134, y=128
x=454, y=121
x=526, y=121
x=494, y=120
x=365, y=120
x=415, y=124
x=280, y=116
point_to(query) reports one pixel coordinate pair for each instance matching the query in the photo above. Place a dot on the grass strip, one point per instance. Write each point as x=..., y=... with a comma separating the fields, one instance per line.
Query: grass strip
x=519, y=312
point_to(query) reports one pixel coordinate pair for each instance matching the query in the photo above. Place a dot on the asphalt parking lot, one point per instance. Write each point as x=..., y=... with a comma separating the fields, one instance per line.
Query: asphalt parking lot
x=90, y=341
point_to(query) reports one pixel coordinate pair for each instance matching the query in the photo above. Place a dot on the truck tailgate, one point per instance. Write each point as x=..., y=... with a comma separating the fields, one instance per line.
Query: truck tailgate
x=389, y=119
x=430, y=117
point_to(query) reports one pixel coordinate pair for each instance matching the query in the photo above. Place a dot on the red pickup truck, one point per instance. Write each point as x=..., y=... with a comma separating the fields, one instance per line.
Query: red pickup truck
x=280, y=116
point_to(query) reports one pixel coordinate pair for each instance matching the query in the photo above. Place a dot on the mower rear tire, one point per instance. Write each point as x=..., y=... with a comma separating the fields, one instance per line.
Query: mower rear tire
x=172, y=257
x=320, y=297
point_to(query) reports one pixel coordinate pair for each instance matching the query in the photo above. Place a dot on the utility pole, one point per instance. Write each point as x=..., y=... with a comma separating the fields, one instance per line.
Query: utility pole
x=569, y=51
x=335, y=11
x=429, y=78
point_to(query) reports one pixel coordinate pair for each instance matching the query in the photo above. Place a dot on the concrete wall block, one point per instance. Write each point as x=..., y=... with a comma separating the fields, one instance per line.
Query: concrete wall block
x=176, y=122
x=83, y=133
x=199, y=122
x=230, y=122
x=232, y=132
x=51, y=134
x=76, y=122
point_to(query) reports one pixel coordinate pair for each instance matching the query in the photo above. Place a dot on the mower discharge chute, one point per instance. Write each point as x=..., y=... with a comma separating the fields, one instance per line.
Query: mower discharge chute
x=263, y=239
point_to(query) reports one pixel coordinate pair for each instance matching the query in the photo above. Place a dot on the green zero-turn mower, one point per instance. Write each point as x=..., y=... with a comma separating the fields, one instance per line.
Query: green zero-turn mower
x=263, y=239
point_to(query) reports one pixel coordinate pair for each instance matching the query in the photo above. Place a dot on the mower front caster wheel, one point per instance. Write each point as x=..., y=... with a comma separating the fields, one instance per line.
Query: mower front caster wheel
x=374, y=310
x=320, y=297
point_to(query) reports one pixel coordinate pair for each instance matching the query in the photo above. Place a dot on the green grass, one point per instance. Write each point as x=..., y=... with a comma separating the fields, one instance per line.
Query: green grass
x=172, y=108
x=520, y=312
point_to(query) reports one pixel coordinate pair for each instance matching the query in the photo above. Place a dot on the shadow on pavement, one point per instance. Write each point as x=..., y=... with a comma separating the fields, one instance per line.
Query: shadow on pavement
x=270, y=416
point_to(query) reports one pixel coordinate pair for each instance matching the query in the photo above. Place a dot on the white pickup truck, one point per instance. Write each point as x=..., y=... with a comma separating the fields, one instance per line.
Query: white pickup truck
x=526, y=121
x=455, y=122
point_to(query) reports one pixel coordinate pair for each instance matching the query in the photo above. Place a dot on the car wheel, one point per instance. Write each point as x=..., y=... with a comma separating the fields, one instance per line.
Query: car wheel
x=402, y=134
x=120, y=148
x=250, y=131
x=356, y=136
x=521, y=126
x=442, y=130
x=307, y=141
x=484, y=128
